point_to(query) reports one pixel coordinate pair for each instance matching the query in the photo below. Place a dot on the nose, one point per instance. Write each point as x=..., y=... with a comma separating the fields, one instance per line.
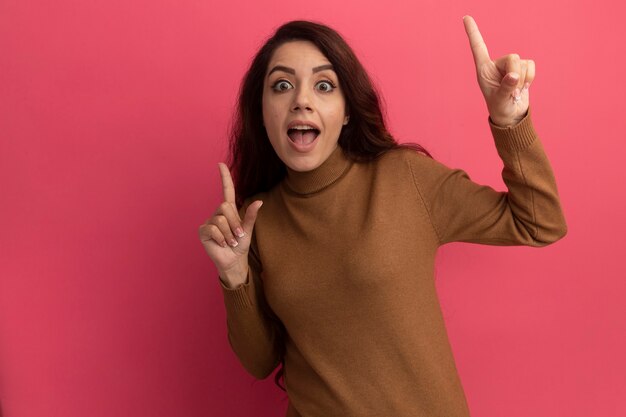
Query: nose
x=301, y=100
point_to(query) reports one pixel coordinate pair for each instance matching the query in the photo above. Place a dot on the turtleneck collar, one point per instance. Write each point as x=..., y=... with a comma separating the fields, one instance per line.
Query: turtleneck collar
x=309, y=182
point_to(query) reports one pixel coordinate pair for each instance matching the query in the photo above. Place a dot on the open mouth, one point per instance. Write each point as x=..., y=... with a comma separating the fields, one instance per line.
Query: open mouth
x=303, y=136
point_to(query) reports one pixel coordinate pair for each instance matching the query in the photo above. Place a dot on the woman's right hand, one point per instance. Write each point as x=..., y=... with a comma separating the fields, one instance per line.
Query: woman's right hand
x=225, y=237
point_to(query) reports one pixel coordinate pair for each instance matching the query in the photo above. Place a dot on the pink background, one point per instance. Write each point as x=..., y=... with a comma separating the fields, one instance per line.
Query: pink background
x=113, y=116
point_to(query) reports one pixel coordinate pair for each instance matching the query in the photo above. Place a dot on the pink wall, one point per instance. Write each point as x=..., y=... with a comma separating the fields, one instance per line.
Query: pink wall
x=113, y=117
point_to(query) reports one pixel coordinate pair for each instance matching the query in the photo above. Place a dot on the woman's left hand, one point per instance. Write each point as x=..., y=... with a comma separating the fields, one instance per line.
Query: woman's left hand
x=504, y=82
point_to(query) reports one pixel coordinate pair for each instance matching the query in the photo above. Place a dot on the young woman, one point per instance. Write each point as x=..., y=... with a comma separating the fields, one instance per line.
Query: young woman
x=333, y=277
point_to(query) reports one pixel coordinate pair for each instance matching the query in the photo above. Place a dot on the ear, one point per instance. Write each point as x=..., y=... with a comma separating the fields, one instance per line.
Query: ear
x=345, y=120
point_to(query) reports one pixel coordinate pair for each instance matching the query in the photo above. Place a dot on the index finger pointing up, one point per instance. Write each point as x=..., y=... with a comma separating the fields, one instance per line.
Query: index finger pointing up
x=479, y=48
x=227, y=184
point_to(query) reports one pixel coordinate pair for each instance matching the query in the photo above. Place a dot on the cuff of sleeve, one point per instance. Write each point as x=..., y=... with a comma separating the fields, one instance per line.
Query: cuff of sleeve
x=517, y=137
x=240, y=297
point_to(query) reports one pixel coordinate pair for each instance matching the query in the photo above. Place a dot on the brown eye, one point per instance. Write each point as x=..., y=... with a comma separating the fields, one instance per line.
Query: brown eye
x=281, y=85
x=325, y=86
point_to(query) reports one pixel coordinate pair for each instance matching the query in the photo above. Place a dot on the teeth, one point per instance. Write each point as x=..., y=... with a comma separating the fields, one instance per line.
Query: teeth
x=302, y=127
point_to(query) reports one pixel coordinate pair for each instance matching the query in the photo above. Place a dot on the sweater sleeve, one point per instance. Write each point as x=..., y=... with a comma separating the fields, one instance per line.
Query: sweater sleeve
x=250, y=333
x=529, y=213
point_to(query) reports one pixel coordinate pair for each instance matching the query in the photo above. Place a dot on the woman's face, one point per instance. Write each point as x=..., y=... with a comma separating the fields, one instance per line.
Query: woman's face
x=303, y=105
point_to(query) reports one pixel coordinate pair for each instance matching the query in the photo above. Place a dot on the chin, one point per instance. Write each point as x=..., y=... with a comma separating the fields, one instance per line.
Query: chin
x=300, y=161
x=304, y=163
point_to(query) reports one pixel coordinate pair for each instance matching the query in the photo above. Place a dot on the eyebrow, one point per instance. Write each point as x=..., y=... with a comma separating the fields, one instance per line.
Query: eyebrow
x=293, y=71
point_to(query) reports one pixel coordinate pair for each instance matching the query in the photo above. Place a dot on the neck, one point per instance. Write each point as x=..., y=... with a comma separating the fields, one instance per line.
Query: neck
x=315, y=180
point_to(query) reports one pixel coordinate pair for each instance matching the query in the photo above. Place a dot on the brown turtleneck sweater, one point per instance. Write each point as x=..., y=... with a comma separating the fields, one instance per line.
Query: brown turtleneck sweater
x=344, y=256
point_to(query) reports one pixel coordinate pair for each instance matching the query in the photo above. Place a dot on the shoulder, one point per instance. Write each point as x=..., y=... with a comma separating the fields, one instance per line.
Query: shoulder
x=425, y=172
x=406, y=157
x=403, y=153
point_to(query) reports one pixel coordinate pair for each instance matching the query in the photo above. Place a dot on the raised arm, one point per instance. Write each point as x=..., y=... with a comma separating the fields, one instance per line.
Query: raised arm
x=251, y=333
x=529, y=213
x=227, y=239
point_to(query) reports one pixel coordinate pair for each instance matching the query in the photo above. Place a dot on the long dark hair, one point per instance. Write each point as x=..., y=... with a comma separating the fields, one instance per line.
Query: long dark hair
x=253, y=162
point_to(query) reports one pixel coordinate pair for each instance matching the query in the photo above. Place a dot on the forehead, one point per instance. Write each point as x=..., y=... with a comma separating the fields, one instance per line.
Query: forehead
x=298, y=54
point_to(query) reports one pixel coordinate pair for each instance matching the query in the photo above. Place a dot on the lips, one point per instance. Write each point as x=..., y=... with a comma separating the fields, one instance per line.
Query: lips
x=295, y=123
